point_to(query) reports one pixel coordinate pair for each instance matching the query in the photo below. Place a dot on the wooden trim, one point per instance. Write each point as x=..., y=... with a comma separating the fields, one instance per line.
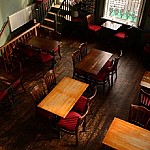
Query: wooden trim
x=3, y=28
x=7, y=49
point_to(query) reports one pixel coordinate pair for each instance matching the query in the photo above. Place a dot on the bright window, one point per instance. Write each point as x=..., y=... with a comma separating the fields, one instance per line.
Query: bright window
x=124, y=11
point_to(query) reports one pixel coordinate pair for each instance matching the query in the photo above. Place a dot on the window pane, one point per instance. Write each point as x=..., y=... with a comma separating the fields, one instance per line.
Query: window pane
x=124, y=11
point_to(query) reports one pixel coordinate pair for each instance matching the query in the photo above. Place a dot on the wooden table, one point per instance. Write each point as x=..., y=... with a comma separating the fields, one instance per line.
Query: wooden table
x=43, y=43
x=123, y=135
x=111, y=25
x=63, y=97
x=145, y=82
x=94, y=61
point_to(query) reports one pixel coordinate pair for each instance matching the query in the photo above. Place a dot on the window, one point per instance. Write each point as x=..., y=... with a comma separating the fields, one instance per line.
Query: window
x=124, y=11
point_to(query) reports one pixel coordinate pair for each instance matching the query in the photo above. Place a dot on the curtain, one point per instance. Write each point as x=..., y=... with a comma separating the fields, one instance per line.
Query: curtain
x=99, y=8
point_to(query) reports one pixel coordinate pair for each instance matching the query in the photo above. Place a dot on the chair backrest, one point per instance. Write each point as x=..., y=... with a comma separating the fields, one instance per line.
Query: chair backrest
x=90, y=19
x=81, y=119
x=76, y=57
x=139, y=115
x=12, y=66
x=93, y=95
x=83, y=49
x=144, y=98
x=50, y=80
x=39, y=92
x=115, y=63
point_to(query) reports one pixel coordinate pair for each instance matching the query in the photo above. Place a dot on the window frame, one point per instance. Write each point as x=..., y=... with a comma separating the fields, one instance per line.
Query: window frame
x=124, y=21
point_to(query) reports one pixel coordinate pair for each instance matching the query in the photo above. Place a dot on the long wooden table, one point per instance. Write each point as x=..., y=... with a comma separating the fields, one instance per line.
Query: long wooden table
x=43, y=43
x=145, y=82
x=94, y=61
x=63, y=97
x=123, y=135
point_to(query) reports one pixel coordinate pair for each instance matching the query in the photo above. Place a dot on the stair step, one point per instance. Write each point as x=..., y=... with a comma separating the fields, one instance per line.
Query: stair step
x=43, y=26
x=56, y=6
x=51, y=13
x=49, y=20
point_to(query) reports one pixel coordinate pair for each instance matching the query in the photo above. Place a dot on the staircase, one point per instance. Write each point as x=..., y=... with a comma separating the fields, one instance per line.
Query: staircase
x=49, y=20
x=51, y=14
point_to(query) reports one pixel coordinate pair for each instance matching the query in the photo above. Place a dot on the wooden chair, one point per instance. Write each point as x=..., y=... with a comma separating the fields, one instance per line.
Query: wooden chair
x=50, y=80
x=102, y=78
x=83, y=49
x=144, y=99
x=91, y=26
x=76, y=58
x=139, y=116
x=14, y=68
x=82, y=103
x=38, y=93
x=71, y=123
x=44, y=59
x=114, y=68
x=121, y=37
x=57, y=37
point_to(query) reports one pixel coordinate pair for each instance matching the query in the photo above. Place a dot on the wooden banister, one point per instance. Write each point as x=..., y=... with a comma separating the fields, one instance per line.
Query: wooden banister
x=7, y=49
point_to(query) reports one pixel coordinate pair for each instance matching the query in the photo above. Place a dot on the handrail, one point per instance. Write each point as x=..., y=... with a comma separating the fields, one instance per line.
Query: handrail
x=42, y=9
x=7, y=49
x=64, y=8
x=3, y=27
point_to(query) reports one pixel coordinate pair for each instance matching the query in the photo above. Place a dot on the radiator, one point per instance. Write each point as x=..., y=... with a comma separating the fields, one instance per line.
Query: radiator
x=22, y=17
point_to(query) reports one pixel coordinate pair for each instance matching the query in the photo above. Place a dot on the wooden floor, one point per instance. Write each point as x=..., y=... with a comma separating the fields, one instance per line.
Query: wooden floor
x=18, y=130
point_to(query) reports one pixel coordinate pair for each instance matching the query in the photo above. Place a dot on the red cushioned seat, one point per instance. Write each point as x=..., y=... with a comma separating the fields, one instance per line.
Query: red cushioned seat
x=108, y=64
x=80, y=105
x=46, y=57
x=101, y=75
x=121, y=35
x=94, y=28
x=2, y=94
x=16, y=83
x=70, y=122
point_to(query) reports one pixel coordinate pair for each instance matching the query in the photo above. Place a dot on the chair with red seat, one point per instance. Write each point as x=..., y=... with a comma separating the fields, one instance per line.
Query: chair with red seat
x=76, y=58
x=102, y=78
x=121, y=37
x=45, y=60
x=82, y=103
x=57, y=37
x=72, y=122
x=38, y=93
x=139, y=115
x=114, y=64
x=91, y=26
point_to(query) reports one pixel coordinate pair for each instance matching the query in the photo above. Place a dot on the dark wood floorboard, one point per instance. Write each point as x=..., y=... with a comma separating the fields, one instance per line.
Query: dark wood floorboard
x=18, y=130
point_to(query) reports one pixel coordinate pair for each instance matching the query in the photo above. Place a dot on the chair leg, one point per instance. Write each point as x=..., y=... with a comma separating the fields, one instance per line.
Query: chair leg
x=103, y=87
x=112, y=79
x=77, y=134
x=22, y=86
x=59, y=52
